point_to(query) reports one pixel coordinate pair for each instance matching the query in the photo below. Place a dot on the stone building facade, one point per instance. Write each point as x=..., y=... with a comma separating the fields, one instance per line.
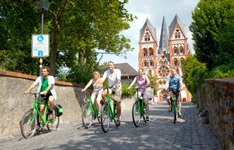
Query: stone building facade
x=158, y=59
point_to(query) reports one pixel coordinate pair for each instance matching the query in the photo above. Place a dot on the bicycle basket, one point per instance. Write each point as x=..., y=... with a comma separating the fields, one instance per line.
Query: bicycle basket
x=58, y=110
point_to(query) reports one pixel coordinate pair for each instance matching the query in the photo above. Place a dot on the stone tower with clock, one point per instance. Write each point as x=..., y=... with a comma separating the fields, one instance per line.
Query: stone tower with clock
x=159, y=60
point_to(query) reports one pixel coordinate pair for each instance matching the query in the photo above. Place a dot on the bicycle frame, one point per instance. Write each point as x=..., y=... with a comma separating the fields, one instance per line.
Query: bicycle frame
x=37, y=111
x=110, y=108
x=92, y=108
x=141, y=103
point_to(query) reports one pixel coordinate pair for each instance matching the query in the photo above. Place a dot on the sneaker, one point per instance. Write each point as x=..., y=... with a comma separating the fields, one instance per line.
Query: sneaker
x=51, y=115
x=147, y=118
x=169, y=110
x=117, y=123
x=99, y=115
x=179, y=115
x=102, y=102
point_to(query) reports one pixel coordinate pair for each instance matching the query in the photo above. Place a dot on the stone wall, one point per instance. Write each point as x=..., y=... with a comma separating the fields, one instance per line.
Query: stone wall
x=217, y=96
x=13, y=103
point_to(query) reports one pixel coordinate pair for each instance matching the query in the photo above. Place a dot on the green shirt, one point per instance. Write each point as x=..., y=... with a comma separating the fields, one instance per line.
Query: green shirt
x=45, y=85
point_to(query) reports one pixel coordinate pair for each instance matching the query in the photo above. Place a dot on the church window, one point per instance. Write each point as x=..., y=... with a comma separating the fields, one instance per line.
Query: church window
x=181, y=50
x=151, y=53
x=176, y=62
x=145, y=51
x=175, y=51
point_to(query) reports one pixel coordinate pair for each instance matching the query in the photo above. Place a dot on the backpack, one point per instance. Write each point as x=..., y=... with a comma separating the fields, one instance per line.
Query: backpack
x=58, y=110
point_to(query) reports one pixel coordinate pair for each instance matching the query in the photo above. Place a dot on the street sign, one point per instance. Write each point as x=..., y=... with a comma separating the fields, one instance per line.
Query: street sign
x=40, y=45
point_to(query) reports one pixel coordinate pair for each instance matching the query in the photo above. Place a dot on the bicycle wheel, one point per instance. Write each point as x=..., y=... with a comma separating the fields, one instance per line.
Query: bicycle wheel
x=52, y=125
x=28, y=124
x=174, y=109
x=87, y=116
x=105, y=118
x=136, y=115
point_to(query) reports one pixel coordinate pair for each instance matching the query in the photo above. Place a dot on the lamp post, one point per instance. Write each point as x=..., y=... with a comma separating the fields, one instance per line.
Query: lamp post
x=42, y=5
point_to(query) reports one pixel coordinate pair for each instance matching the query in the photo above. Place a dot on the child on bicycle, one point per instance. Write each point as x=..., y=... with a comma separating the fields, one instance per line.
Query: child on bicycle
x=173, y=85
x=144, y=90
x=97, y=90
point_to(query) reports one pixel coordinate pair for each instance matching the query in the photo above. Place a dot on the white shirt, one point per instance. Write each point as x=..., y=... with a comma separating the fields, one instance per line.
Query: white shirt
x=112, y=77
x=51, y=80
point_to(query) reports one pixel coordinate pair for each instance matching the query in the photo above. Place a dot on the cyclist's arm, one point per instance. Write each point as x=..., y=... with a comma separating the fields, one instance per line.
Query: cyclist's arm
x=118, y=79
x=30, y=88
x=133, y=82
x=148, y=81
x=88, y=85
x=47, y=89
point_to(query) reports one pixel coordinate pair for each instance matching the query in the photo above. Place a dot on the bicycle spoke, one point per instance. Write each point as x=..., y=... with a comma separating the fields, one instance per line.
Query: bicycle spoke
x=28, y=124
x=105, y=118
x=136, y=114
x=87, y=116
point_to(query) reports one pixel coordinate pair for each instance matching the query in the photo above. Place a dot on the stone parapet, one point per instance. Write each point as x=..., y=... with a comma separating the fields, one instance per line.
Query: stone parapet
x=217, y=96
x=13, y=103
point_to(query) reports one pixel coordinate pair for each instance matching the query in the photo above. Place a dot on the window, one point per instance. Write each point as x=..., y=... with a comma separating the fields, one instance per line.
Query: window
x=177, y=34
x=176, y=62
x=175, y=51
x=145, y=52
x=152, y=64
x=145, y=64
x=181, y=50
x=151, y=52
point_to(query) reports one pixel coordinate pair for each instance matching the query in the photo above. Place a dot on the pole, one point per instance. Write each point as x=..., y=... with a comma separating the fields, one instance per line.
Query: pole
x=40, y=66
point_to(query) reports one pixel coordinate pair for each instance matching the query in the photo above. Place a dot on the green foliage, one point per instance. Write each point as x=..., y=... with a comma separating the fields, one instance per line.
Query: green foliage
x=209, y=19
x=76, y=28
x=153, y=83
x=193, y=73
x=223, y=71
x=128, y=92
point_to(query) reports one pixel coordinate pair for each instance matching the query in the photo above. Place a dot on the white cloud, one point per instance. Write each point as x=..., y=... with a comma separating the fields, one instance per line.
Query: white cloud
x=154, y=10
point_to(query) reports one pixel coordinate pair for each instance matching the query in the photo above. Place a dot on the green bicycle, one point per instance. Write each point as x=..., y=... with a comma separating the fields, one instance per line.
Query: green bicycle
x=138, y=111
x=89, y=113
x=174, y=103
x=30, y=119
x=108, y=113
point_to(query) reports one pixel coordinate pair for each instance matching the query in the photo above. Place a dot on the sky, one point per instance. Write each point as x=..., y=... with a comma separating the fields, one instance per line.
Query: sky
x=154, y=10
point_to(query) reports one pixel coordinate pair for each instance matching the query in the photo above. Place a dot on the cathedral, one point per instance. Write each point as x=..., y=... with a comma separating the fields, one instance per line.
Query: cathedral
x=157, y=58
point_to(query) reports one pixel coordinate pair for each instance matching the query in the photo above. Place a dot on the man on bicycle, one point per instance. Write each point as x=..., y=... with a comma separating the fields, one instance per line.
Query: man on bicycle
x=143, y=84
x=174, y=84
x=114, y=85
x=47, y=90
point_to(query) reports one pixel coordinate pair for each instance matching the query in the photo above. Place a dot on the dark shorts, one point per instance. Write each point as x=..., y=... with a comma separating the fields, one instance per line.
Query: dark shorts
x=44, y=98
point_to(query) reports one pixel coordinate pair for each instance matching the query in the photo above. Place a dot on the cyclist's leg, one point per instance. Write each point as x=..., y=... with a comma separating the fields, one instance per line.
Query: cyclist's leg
x=118, y=93
x=98, y=99
x=51, y=106
x=42, y=110
x=104, y=93
x=169, y=95
x=179, y=103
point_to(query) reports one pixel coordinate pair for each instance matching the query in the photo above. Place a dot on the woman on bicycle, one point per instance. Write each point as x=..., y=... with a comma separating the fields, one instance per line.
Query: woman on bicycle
x=144, y=90
x=97, y=90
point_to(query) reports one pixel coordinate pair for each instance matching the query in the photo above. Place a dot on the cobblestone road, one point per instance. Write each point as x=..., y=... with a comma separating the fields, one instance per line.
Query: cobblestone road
x=158, y=134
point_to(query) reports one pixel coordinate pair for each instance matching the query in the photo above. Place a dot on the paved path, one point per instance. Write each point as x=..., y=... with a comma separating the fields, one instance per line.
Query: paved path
x=158, y=134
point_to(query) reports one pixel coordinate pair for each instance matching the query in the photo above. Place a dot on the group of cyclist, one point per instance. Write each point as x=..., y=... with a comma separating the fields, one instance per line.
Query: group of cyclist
x=47, y=82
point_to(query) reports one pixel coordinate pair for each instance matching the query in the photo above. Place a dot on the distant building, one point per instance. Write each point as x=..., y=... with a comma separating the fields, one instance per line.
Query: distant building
x=172, y=50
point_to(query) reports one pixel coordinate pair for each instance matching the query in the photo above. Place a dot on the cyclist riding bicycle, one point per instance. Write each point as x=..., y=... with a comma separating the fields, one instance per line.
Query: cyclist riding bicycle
x=114, y=84
x=174, y=84
x=47, y=90
x=97, y=90
x=143, y=84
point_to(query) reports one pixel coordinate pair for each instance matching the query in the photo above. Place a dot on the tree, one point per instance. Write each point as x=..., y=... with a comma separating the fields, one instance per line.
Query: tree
x=76, y=29
x=210, y=17
x=193, y=73
x=226, y=44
